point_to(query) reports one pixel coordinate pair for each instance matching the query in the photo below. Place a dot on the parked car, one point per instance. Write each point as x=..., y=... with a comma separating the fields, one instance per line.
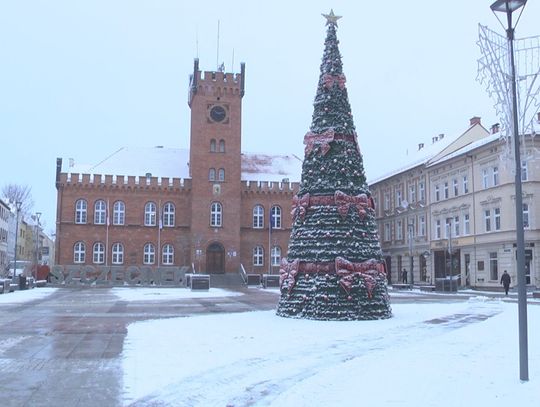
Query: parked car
x=24, y=267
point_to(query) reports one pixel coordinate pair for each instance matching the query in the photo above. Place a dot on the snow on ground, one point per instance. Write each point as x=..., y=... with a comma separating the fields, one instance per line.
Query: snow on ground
x=467, y=354
x=166, y=294
x=19, y=297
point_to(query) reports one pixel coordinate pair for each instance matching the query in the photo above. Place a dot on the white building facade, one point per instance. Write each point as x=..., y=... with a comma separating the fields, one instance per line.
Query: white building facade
x=459, y=214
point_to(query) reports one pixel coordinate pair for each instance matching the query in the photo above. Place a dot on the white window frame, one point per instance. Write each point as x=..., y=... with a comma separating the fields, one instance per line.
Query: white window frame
x=495, y=175
x=399, y=229
x=438, y=229
x=81, y=211
x=100, y=212
x=79, y=252
x=119, y=213
x=456, y=226
x=167, y=255
x=422, y=191
x=422, y=225
x=212, y=174
x=465, y=184
x=493, y=266
x=276, y=217
x=216, y=215
x=117, y=253
x=387, y=232
x=466, y=224
x=437, y=192
x=258, y=217
x=446, y=190
x=526, y=212
x=497, y=218
x=258, y=256
x=169, y=211
x=150, y=214
x=412, y=193
x=487, y=220
x=455, y=187
x=98, y=253
x=276, y=256
x=524, y=171
x=485, y=178
x=149, y=253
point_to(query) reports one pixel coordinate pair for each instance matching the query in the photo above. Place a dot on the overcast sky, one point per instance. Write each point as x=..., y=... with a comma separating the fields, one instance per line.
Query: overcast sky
x=81, y=79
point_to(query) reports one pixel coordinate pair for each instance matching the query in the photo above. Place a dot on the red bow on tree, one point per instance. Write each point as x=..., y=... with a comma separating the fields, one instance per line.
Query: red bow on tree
x=324, y=139
x=288, y=272
x=299, y=206
x=368, y=270
x=330, y=79
x=344, y=202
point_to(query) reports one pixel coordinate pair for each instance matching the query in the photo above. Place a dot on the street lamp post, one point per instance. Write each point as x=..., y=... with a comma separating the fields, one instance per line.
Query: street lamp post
x=37, y=216
x=18, y=205
x=508, y=7
x=411, y=264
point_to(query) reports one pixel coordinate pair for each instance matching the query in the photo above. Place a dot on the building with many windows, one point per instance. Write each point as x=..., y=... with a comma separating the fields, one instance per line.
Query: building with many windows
x=5, y=215
x=212, y=207
x=450, y=210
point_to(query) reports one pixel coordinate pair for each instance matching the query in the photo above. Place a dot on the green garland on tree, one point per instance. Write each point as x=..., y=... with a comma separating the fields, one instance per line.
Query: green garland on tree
x=335, y=268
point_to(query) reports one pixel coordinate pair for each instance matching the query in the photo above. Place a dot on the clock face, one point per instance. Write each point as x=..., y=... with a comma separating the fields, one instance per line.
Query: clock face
x=218, y=113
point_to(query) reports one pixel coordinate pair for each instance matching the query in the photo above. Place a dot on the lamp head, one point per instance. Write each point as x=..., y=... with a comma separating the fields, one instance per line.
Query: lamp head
x=505, y=6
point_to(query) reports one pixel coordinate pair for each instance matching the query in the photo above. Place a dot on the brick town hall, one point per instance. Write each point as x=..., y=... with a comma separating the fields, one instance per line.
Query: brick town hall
x=210, y=207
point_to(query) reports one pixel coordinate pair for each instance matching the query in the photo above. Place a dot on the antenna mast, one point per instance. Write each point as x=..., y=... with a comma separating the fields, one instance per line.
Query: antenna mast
x=217, y=56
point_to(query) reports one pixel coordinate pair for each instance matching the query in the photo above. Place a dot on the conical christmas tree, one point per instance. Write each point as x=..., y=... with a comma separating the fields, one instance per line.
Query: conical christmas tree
x=335, y=269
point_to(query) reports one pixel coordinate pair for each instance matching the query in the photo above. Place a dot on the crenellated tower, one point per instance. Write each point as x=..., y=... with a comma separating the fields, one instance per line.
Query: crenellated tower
x=215, y=99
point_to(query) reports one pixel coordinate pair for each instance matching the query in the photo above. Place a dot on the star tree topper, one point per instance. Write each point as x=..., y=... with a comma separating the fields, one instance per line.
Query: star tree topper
x=331, y=18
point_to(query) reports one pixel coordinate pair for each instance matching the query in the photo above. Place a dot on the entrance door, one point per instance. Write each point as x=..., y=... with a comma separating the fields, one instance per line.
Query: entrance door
x=388, y=262
x=215, y=258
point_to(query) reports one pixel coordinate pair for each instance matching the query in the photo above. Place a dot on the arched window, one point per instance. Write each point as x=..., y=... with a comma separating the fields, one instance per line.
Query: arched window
x=167, y=255
x=213, y=145
x=258, y=256
x=149, y=254
x=100, y=212
x=79, y=252
x=150, y=214
x=258, y=217
x=221, y=174
x=216, y=211
x=212, y=174
x=98, y=253
x=221, y=146
x=276, y=217
x=168, y=214
x=276, y=255
x=118, y=253
x=119, y=213
x=81, y=208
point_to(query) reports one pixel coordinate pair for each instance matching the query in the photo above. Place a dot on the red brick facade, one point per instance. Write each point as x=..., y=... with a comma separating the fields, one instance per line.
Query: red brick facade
x=215, y=241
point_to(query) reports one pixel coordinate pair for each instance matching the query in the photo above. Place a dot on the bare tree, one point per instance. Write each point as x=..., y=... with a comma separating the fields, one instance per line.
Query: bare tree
x=13, y=193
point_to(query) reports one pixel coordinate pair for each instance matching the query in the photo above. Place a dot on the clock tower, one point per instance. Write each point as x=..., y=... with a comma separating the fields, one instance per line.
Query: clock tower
x=215, y=99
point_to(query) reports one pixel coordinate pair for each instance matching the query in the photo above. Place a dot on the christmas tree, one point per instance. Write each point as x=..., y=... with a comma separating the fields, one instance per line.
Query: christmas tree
x=335, y=268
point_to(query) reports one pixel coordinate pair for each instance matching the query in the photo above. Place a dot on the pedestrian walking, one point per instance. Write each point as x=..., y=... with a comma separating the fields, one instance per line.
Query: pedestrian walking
x=404, y=276
x=505, y=281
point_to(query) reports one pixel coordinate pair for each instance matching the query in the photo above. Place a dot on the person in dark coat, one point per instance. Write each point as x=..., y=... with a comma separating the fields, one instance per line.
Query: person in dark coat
x=404, y=276
x=505, y=281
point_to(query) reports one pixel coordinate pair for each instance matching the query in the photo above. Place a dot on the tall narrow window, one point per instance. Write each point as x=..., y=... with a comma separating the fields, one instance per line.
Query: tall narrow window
x=526, y=215
x=276, y=255
x=212, y=174
x=399, y=197
x=495, y=173
x=213, y=145
x=455, y=187
x=386, y=201
x=465, y=184
x=493, y=266
x=438, y=229
x=98, y=253
x=437, y=192
x=119, y=213
x=216, y=214
x=100, y=212
x=399, y=230
x=167, y=255
x=412, y=193
x=497, y=218
x=485, y=178
x=276, y=217
x=168, y=215
x=422, y=191
x=446, y=195
x=150, y=214
x=487, y=220
x=149, y=254
x=221, y=175
x=422, y=225
x=447, y=226
x=117, y=253
x=466, y=224
x=258, y=256
x=524, y=171
x=79, y=252
x=456, y=225
x=221, y=146
x=387, y=235
x=258, y=217
x=81, y=208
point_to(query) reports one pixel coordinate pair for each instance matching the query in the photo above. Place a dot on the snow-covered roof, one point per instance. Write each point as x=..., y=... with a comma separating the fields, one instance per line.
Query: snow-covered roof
x=174, y=163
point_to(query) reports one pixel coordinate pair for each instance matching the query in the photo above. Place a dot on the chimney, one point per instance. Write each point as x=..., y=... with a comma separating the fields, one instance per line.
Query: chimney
x=420, y=146
x=495, y=128
x=441, y=136
x=434, y=139
x=474, y=120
